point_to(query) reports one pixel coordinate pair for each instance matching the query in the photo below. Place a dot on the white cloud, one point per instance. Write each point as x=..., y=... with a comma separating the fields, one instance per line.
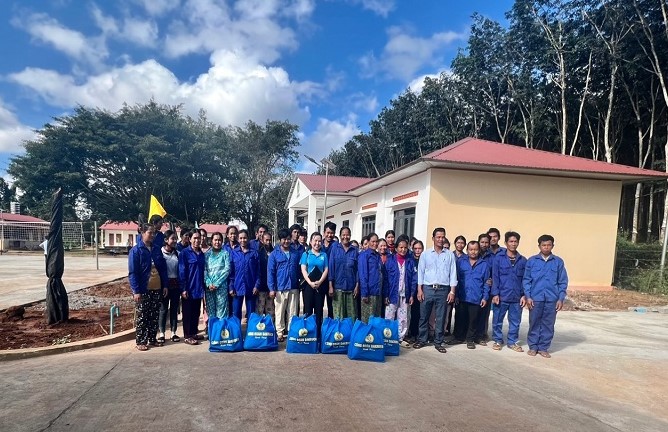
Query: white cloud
x=404, y=54
x=379, y=7
x=234, y=89
x=158, y=7
x=328, y=135
x=12, y=132
x=72, y=43
x=250, y=27
x=139, y=32
x=363, y=102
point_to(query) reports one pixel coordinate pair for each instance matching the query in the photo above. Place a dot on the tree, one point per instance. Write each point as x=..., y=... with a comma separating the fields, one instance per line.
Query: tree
x=260, y=159
x=111, y=163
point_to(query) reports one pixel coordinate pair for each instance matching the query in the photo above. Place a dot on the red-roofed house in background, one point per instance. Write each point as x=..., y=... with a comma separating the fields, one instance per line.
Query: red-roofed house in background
x=472, y=185
x=27, y=240
x=120, y=235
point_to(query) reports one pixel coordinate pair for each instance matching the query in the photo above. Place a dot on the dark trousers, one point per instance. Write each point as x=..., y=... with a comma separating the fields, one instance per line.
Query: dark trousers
x=541, y=325
x=473, y=320
x=314, y=302
x=230, y=305
x=169, y=304
x=461, y=321
x=358, y=307
x=330, y=308
x=414, y=325
x=237, y=305
x=433, y=299
x=483, y=322
x=191, y=309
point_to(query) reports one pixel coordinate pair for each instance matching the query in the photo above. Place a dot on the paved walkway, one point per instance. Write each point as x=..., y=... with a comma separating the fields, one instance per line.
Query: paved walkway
x=608, y=373
x=23, y=276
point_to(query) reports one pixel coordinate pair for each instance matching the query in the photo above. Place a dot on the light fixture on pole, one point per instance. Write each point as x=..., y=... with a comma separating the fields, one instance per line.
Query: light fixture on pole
x=327, y=164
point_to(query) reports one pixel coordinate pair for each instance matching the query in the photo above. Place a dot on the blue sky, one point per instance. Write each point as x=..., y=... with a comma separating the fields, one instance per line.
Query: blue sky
x=329, y=65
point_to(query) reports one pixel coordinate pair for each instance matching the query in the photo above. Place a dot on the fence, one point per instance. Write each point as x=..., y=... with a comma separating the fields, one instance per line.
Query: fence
x=638, y=267
x=29, y=235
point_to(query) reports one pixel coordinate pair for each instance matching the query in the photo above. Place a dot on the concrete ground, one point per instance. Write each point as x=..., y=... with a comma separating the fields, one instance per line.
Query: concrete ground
x=608, y=373
x=23, y=276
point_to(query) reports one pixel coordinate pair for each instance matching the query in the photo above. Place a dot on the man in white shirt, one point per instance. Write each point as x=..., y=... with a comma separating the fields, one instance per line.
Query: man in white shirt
x=437, y=284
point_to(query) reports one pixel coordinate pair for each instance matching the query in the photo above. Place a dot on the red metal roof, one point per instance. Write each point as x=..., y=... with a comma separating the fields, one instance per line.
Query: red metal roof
x=481, y=152
x=119, y=226
x=316, y=183
x=11, y=217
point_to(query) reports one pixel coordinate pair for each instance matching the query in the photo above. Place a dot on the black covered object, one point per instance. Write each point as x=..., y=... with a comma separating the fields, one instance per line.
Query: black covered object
x=57, y=305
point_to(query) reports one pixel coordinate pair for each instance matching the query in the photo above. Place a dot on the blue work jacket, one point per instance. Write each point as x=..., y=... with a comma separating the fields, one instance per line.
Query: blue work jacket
x=472, y=286
x=393, y=275
x=246, y=270
x=282, y=271
x=372, y=274
x=192, y=266
x=343, y=267
x=545, y=280
x=139, y=268
x=506, y=278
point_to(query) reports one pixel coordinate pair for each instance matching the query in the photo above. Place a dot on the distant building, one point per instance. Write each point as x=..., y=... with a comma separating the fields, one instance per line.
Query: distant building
x=21, y=232
x=119, y=235
x=472, y=185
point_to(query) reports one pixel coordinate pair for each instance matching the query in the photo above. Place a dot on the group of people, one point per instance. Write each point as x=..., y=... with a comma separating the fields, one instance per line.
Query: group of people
x=394, y=277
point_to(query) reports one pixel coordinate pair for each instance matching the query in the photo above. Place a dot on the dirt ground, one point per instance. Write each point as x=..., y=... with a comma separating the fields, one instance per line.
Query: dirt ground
x=616, y=300
x=89, y=318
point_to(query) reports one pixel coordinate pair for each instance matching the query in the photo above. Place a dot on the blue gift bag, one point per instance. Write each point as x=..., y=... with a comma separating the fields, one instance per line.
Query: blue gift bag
x=336, y=335
x=390, y=329
x=366, y=343
x=225, y=334
x=303, y=336
x=260, y=334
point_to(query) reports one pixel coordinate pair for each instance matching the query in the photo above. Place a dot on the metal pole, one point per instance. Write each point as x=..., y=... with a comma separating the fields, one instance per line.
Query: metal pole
x=324, y=208
x=97, y=258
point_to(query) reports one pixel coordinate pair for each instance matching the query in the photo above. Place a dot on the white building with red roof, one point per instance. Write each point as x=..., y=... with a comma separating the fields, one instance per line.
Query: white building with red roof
x=118, y=235
x=472, y=185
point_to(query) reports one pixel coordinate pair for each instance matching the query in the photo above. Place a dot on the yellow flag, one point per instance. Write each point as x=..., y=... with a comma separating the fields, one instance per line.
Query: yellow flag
x=155, y=208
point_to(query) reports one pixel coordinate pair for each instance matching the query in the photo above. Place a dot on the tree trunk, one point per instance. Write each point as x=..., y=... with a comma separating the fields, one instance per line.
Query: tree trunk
x=636, y=213
x=650, y=213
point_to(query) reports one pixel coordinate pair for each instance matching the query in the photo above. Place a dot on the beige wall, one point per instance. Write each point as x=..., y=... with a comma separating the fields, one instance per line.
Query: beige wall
x=581, y=215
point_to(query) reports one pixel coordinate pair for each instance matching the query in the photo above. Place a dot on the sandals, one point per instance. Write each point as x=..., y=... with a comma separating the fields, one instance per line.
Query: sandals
x=281, y=338
x=141, y=348
x=496, y=346
x=161, y=340
x=418, y=345
x=199, y=337
x=175, y=338
x=191, y=341
x=482, y=342
x=470, y=345
x=532, y=353
x=544, y=354
x=516, y=348
x=441, y=349
x=405, y=344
